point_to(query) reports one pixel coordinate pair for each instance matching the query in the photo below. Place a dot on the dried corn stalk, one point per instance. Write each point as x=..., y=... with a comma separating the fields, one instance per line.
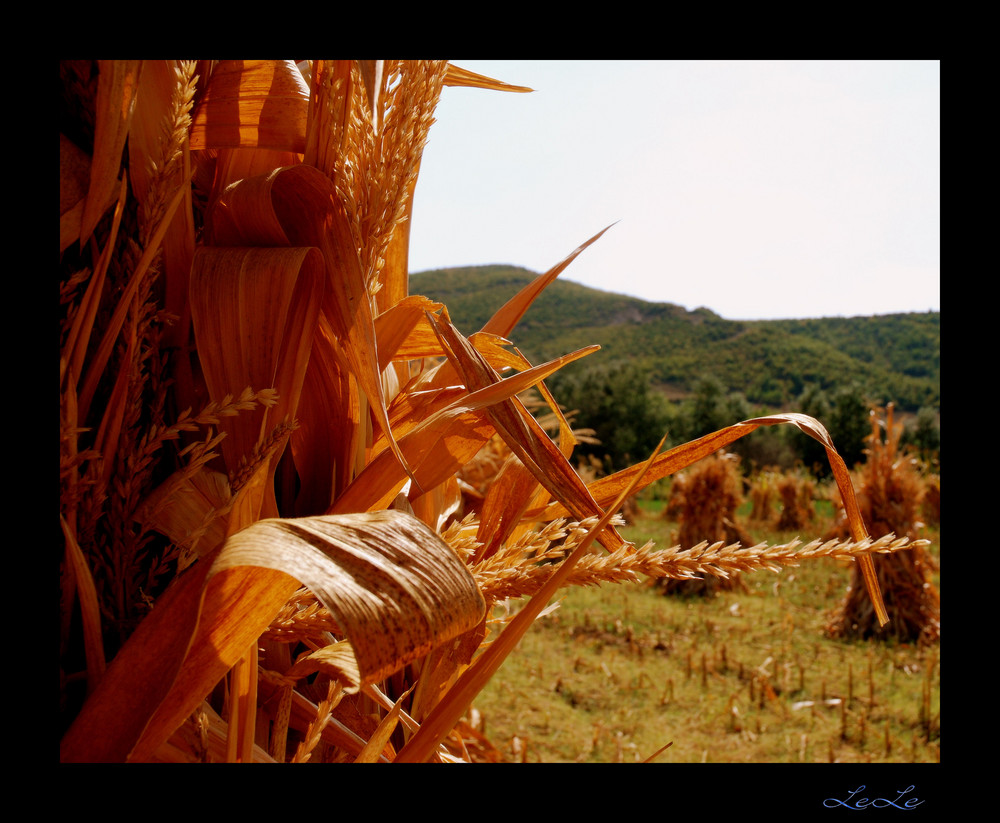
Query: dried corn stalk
x=261, y=431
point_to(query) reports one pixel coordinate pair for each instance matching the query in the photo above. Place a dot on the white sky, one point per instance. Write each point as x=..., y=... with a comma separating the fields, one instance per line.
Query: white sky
x=759, y=189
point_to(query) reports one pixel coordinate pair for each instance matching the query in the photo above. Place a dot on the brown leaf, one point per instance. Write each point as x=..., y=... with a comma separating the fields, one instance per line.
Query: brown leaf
x=523, y=435
x=507, y=316
x=404, y=333
x=395, y=587
x=253, y=104
x=117, y=86
x=254, y=312
x=336, y=660
x=442, y=443
x=298, y=205
x=325, y=446
x=458, y=76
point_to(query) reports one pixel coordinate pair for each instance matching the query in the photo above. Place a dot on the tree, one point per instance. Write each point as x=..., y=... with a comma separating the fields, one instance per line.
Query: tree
x=925, y=434
x=814, y=402
x=628, y=417
x=711, y=408
x=845, y=414
x=850, y=423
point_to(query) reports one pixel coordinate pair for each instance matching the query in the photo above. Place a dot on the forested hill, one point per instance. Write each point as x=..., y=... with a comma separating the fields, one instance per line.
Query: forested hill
x=894, y=357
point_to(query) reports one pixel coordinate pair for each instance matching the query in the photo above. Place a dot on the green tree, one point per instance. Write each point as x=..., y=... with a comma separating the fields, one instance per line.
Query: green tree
x=814, y=402
x=850, y=423
x=711, y=408
x=618, y=403
x=846, y=415
x=925, y=434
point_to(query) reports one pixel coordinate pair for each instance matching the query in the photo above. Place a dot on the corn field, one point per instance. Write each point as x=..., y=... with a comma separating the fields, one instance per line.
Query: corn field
x=266, y=554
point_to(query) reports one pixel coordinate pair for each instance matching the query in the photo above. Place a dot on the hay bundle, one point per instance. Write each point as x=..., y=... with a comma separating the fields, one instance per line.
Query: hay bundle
x=796, y=492
x=705, y=498
x=890, y=497
x=932, y=500
x=761, y=496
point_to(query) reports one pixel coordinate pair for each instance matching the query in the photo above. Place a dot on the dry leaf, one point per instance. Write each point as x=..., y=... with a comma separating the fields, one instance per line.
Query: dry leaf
x=458, y=76
x=117, y=86
x=395, y=587
x=253, y=104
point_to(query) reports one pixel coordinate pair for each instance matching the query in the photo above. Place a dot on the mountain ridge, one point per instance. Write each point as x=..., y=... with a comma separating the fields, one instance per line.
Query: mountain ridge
x=893, y=357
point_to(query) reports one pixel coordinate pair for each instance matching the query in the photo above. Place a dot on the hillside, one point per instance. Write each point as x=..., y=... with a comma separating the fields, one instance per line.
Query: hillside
x=892, y=357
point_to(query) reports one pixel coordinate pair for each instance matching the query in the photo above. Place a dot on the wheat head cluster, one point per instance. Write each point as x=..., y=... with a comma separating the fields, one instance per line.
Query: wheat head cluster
x=270, y=551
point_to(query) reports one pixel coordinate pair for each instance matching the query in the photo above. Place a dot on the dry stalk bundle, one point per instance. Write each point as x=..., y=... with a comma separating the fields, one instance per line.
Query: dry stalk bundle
x=705, y=498
x=762, y=489
x=796, y=492
x=891, y=497
x=314, y=594
x=931, y=509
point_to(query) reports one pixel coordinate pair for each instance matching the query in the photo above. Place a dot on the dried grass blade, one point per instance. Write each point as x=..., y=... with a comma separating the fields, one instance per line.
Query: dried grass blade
x=457, y=76
x=504, y=505
x=93, y=643
x=78, y=338
x=100, y=357
x=243, y=699
x=859, y=532
x=253, y=104
x=523, y=435
x=515, y=488
x=376, y=744
x=336, y=661
x=403, y=332
x=329, y=433
x=503, y=322
x=109, y=431
x=117, y=86
x=396, y=271
x=443, y=442
x=255, y=312
x=606, y=489
x=435, y=451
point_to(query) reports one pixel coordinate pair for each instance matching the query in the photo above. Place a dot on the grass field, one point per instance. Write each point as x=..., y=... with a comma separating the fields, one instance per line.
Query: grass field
x=618, y=672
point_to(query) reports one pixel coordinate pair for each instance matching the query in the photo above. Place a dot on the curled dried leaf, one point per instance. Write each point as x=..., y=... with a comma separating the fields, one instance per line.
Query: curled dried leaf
x=395, y=587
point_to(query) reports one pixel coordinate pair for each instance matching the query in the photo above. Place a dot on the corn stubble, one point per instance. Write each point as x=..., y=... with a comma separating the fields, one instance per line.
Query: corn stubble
x=263, y=435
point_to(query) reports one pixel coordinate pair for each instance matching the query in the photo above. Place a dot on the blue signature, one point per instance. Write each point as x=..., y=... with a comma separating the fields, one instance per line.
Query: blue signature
x=875, y=803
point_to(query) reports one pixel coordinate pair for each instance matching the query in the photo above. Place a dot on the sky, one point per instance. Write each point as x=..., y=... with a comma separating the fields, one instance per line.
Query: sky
x=757, y=189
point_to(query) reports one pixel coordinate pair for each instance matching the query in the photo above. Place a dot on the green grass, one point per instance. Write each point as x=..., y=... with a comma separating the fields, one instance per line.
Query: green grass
x=617, y=672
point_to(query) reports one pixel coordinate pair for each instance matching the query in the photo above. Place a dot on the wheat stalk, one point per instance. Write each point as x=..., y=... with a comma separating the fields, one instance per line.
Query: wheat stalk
x=517, y=572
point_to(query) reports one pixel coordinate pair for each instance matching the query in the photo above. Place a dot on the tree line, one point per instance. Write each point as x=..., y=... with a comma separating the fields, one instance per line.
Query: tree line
x=629, y=416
